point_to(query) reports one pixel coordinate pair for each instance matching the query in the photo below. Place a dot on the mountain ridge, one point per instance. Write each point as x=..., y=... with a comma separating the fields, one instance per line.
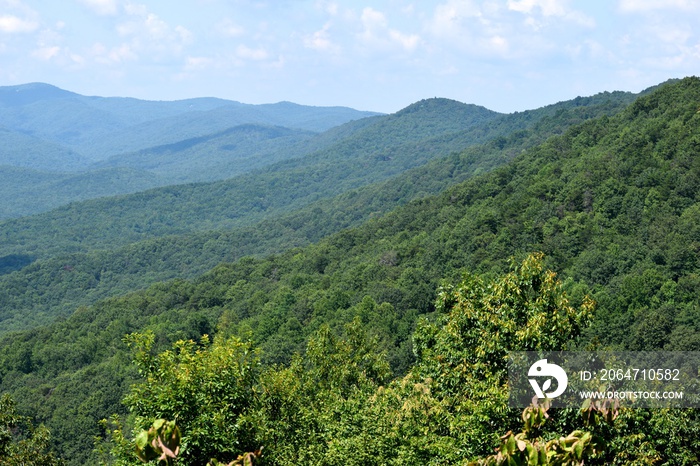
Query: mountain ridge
x=352, y=161
x=614, y=201
x=163, y=258
x=53, y=130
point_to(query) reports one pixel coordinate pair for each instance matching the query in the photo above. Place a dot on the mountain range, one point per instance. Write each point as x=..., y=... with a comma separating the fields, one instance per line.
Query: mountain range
x=356, y=170
x=363, y=222
x=71, y=147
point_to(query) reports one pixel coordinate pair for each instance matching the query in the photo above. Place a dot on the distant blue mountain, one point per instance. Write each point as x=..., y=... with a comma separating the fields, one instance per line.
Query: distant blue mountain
x=55, y=144
x=98, y=127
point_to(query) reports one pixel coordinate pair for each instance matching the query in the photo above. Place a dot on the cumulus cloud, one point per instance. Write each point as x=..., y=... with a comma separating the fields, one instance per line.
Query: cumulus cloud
x=11, y=24
x=448, y=17
x=637, y=6
x=511, y=30
x=247, y=53
x=112, y=55
x=198, y=63
x=549, y=9
x=320, y=40
x=46, y=53
x=406, y=41
x=147, y=24
x=144, y=33
x=377, y=34
x=102, y=7
x=329, y=7
x=476, y=29
x=228, y=28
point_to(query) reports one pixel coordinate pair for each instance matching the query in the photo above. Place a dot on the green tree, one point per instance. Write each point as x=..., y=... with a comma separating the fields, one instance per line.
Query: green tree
x=206, y=388
x=20, y=442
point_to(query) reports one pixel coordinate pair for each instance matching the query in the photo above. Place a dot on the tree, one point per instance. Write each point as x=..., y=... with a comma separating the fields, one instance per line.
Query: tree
x=20, y=442
x=206, y=388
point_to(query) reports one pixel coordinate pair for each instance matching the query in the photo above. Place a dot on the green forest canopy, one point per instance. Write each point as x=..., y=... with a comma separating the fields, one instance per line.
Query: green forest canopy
x=613, y=203
x=54, y=286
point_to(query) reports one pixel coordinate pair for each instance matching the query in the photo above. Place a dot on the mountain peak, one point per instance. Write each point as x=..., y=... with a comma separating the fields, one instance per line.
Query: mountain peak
x=24, y=94
x=441, y=104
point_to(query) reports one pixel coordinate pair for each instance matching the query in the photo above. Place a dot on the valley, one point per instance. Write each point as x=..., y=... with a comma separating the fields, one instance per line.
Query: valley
x=343, y=271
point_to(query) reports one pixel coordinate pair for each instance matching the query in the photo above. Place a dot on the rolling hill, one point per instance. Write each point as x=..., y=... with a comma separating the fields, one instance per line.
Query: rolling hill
x=55, y=286
x=360, y=158
x=55, y=134
x=98, y=127
x=613, y=202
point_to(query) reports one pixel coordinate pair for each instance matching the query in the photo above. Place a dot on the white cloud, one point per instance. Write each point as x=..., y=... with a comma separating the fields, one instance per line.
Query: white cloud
x=77, y=59
x=248, y=53
x=198, y=63
x=636, y=6
x=147, y=24
x=46, y=53
x=372, y=20
x=498, y=43
x=145, y=34
x=448, y=17
x=407, y=41
x=102, y=7
x=12, y=24
x=184, y=33
x=228, y=28
x=408, y=9
x=320, y=40
x=135, y=9
x=114, y=55
x=277, y=64
x=677, y=35
x=376, y=33
x=156, y=27
x=549, y=9
x=477, y=30
x=329, y=7
x=121, y=53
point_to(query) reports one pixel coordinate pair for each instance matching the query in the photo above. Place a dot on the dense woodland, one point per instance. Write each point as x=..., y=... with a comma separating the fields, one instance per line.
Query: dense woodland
x=71, y=147
x=77, y=268
x=369, y=325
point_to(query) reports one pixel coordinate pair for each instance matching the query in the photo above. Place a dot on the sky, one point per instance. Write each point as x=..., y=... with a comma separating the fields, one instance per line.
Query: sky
x=507, y=55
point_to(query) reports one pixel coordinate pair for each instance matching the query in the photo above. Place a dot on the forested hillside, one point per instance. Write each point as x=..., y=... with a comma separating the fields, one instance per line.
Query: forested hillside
x=613, y=203
x=222, y=155
x=61, y=140
x=361, y=157
x=55, y=286
x=98, y=127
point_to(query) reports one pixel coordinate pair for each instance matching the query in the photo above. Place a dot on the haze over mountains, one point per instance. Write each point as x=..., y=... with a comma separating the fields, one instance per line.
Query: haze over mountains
x=70, y=147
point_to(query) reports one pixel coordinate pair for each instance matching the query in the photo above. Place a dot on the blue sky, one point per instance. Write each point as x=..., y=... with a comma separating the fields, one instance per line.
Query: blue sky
x=507, y=55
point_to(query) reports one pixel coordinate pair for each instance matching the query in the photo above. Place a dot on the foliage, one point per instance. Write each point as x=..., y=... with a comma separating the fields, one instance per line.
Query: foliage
x=207, y=390
x=446, y=409
x=160, y=442
x=613, y=204
x=526, y=449
x=333, y=405
x=56, y=286
x=20, y=442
